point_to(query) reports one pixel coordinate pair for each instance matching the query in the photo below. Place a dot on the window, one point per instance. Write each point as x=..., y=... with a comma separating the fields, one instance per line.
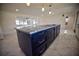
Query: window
x=23, y=21
x=34, y=22
x=17, y=22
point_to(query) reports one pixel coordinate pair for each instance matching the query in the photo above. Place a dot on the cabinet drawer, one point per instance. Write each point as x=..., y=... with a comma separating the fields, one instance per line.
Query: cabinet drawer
x=38, y=35
x=37, y=43
x=40, y=49
x=38, y=38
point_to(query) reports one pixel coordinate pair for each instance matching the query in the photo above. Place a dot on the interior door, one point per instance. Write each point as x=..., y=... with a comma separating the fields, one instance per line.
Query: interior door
x=77, y=25
x=1, y=33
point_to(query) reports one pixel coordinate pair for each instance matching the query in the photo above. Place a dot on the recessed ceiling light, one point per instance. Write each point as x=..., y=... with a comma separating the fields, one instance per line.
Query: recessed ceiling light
x=43, y=9
x=50, y=12
x=65, y=31
x=28, y=4
x=17, y=10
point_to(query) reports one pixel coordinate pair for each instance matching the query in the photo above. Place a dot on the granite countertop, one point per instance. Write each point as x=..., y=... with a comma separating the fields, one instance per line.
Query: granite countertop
x=34, y=29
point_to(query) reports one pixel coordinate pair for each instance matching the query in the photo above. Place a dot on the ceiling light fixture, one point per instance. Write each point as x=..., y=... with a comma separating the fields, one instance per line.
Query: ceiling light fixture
x=28, y=4
x=17, y=10
x=50, y=12
x=50, y=9
x=65, y=31
x=43, y=9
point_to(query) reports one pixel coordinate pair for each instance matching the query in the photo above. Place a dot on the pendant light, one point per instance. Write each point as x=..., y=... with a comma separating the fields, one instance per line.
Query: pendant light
x=43, y=9
x=50, y=9
x=50, y=12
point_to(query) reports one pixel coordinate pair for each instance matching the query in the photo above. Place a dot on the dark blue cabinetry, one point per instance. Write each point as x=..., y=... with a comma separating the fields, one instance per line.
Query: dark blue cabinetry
x=57, y=30
x=50, y=36
x=35, y=44
x=39, y=50
x=38, y=38
x=24, y=42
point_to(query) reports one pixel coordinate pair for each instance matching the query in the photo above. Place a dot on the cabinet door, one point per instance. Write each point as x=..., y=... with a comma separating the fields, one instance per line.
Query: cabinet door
x=24, y=42
x=77, y=31
x=38, y=51
x=77, y=25
x=58, y=29
x=38, y=38
x=50, y=35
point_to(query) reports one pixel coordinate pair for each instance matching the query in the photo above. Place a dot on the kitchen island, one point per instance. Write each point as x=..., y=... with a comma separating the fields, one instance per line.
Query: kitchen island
x=33, y=41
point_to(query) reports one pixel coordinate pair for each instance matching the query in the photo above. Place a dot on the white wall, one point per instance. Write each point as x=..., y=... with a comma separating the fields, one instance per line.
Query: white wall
x=1, y=32
x=58, y=19
x=8, y=20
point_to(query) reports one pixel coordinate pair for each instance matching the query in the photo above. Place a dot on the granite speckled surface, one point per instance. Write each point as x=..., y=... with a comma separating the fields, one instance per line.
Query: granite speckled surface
x=64, y=45
x=34, y=29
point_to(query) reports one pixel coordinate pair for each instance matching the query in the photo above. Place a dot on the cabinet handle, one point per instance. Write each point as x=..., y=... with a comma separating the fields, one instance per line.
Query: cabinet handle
x=42, y=41
x=42, y=50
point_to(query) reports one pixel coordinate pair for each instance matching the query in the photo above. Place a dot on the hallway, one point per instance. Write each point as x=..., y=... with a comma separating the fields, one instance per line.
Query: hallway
x=64, y=45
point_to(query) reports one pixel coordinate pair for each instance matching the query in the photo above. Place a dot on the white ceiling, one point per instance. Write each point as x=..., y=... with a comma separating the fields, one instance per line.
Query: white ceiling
x=35, y=8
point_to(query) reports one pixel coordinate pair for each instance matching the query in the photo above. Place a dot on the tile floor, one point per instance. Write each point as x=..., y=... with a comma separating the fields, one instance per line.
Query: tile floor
x=64, y=45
